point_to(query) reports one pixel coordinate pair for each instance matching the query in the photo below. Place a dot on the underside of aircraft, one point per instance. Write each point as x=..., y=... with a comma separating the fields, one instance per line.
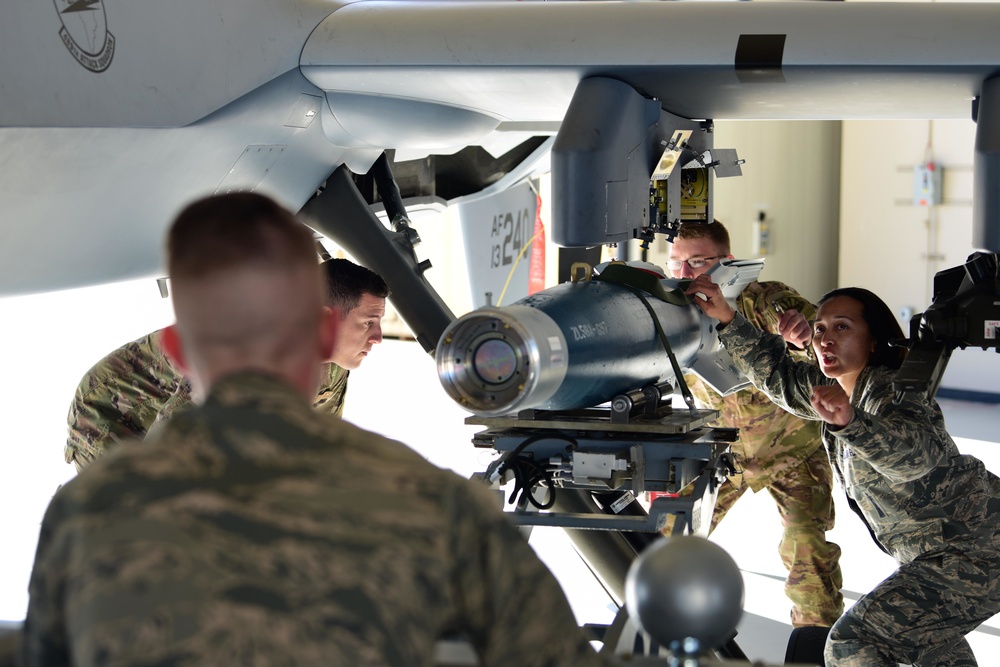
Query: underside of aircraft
x=116, y=116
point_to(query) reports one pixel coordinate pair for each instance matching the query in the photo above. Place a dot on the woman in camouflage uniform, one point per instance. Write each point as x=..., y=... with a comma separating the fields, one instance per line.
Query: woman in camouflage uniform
x=930, y=507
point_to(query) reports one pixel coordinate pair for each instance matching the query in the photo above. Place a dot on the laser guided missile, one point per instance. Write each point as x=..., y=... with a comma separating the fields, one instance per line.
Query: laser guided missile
x=580, y=344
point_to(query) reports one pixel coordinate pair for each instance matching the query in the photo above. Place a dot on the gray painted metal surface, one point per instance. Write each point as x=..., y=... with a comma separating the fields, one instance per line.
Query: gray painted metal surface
x=112, y=121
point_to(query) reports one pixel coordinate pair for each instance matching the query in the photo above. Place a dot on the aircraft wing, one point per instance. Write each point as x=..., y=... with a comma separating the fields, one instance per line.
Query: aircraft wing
x=116, y=113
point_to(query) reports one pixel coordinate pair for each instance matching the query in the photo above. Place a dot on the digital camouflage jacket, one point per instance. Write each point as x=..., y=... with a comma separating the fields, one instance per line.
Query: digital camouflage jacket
x=254, y=530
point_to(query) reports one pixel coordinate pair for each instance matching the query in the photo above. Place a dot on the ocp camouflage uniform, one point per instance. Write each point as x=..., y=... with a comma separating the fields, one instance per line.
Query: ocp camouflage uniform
x=936, y=511
x=252, y=530
x=135, y=388
x=120, y=397
x=782, y=453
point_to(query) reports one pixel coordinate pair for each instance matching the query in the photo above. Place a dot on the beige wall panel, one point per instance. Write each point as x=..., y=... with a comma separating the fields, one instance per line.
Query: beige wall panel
x=894, y=247
x=888, y=244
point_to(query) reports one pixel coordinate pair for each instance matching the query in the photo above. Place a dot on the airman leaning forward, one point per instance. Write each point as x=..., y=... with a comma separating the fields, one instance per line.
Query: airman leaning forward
x=136, y=388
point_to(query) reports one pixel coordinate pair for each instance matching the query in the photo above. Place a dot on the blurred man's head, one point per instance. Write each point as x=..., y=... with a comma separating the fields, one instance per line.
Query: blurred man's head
x=698, y=247
x=247, y=293
x=359, y=294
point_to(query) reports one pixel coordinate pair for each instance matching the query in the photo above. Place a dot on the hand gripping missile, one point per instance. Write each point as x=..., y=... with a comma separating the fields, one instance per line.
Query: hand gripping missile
x=580, y=344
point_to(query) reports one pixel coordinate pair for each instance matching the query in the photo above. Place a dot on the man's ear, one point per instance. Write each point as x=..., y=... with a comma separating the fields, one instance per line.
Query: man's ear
x=329, y=331
x=171, y=342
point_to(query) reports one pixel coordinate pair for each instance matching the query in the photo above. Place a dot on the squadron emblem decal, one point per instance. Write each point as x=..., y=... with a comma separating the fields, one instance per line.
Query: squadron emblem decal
x=85, y=32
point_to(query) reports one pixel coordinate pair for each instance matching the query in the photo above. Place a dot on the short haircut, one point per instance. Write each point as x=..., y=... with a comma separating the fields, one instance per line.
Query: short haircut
x=246, y=279
x=223, y=232
x=347, y=282
x=882, y=325
x=715, y=231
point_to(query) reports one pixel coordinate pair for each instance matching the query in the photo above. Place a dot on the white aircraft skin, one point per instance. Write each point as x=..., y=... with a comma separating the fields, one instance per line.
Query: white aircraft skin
x=117, y=113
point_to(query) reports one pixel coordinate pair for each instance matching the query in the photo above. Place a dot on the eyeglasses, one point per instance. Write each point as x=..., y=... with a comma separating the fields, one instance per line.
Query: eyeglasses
x=694, y=262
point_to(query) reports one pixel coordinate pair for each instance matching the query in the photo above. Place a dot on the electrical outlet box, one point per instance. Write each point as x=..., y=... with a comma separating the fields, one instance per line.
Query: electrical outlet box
x=761, y=242
x=927, y=184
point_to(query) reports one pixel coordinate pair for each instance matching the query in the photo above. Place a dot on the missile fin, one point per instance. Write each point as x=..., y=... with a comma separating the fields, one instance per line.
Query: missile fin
x=719, y=372
x=713, y=363
x=732, y=275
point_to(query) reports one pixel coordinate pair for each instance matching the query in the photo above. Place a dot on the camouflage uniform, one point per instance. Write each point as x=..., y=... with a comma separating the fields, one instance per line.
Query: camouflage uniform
x=136, y=387
x=782, y=453
x=252, y=530
x=933, y=509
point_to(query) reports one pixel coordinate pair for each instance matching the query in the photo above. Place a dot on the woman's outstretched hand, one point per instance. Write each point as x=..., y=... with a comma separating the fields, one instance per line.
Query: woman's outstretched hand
x=832, y=404
x=794, y=328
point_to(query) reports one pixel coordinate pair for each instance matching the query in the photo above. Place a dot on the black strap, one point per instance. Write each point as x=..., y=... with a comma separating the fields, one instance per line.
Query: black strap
x=640, y=283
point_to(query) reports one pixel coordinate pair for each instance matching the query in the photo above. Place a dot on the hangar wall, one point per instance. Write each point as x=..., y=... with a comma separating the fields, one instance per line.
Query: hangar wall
x=894, y=247
x=792, y=175
x=889, y=244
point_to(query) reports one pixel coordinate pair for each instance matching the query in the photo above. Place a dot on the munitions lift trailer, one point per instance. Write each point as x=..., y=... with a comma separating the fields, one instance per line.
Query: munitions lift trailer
x=584, y=470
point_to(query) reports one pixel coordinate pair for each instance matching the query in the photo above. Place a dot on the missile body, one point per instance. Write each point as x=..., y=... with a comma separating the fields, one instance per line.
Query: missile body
x=573, y=345
x=579, y=344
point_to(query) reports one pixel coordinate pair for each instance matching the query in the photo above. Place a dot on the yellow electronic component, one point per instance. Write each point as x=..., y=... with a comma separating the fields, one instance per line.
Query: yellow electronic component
x=694, y=194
